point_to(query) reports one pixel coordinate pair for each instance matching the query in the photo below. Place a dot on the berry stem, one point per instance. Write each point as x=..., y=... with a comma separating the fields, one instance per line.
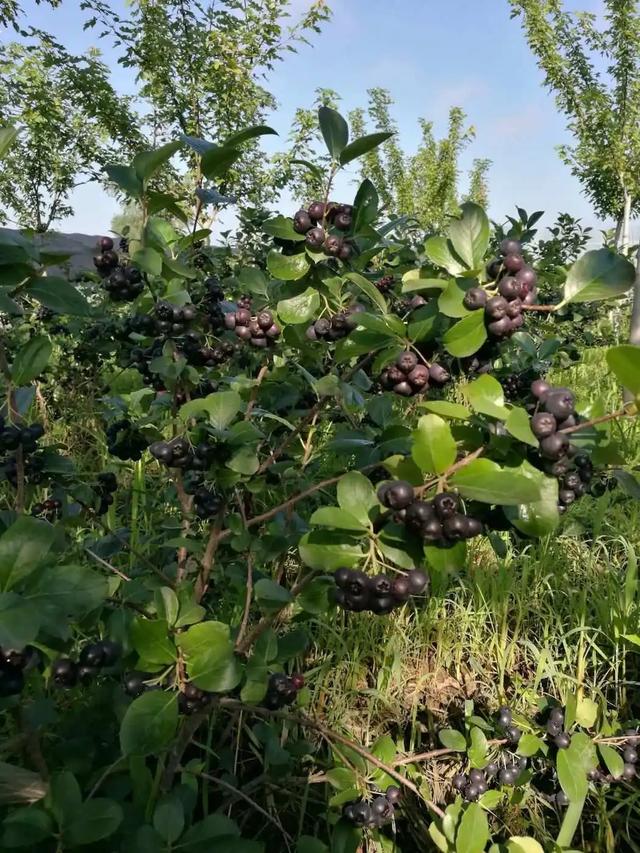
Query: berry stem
x=215, y=537
x=436, y=753
x=107, y=565
x=546, y=309
x=254, y=391
x=185, y=508
x=600, y=420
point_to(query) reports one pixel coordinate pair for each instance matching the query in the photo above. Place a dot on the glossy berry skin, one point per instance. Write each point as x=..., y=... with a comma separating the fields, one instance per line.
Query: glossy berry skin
x=554, y=446
x=629, y=771
x=400, y=589
x=496, y=307
x=332, y=246
x=540, y=389
x=445, y=505
x=513, y=733
x=316, y=211
x=475, y=298
x=92, y=655
x=543, y=424
x=64, y=672
x=302, y=222
x=562, y=800
x=438, y=374
x=314, y=239
x=460, y=781
x=508, y=776
x=476, y=775
x=399, y=495
x=491, y=770
x=560, y=403
x=563, y=740
x=471, y=793
x=393, y=794
x=509, y=246
x=630, y=755
x=105, y=244
x=297, y=681
x=417, y=580
x=513, y=262
x=407, y=361
x=418, y=378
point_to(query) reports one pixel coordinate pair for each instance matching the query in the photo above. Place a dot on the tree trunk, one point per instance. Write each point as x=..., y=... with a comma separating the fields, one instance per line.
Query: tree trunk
x=619, y=225
x=625, y=237
x=634, y=332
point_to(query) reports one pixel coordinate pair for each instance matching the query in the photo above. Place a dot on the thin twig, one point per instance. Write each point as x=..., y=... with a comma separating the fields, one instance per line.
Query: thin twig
x=256, y=388
x=438, y=753
x=215, y=537
x=107, y=565
x=600, y=420
x=185, y=508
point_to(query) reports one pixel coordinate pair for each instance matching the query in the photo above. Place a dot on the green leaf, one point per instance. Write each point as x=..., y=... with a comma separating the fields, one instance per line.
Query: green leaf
x=307, y=844
x=213, y=826
x=26, y=827
x=586, y=712
x=434, y=447
x=365, y=206
x=222, y=407
x=470, y=234
x=217, y=161
x=450, y=301
x=151, y=641
x=19, y=621
x=171, y=267
x=327, y=550
x=369, y=290
x=540, y=517
x=282, y=227
x=529, y=745
x=612, y=759
x=440, y=251
x=167, y=605
x=479, y=748
x=58, y=295
x=599, y=274
x=78, y=590
x=31, y=359
x=211, y=662
x=333, y=516
x=287, y=267
x=146, y=163
x=8, y=136
x=491, y=799
x=453, y=739
x=466, y=336
x=574, y=763
x=168, y=818
x=149, y=260
x=345, y=838
x=300, y=308
x=473, y=831
x=518, y=424
x=356, y=495
x=522, y=844
x=97, y=819
x=247, y=134
x=126, y=178
x=65, y=796
x=624, y=361
x=271, y=595
x=23, y=547
x=361, y=146
x=446, y=409
x=334, y=129
x=485, y=395
x=484, y=480
x=149, y=723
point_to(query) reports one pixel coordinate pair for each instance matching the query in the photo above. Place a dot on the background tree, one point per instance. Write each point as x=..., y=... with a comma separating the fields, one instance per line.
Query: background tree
x=595, y=75
x=425, y=184
x=202, y=70
x=71, y=121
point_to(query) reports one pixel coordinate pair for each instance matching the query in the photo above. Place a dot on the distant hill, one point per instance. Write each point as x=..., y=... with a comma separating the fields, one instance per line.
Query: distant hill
x=81, y=247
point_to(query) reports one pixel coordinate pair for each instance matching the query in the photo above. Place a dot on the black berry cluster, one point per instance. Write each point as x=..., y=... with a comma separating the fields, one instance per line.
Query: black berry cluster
x=173, y=320
x=199, y=354
x=124, y=284
x=355, y=591
x=179, y=453
x=202, y=389
x=282, y=690
x=94, y=657
x=124, y=440
x=554, y=412
x=214, y=295
x=135, y=683
x=48, y=509
x=206, y=503
x=12, y=436
x=385, y=284
x=13, y=665
x=405, y=306
x=503, y=311
x=377, y=813
x=407, y=376
x=107, y=259
x=315, y=222
x=136, y=324
x=438, y=521
x=105, y=488
x=336, y=326
x=260, y=330
x=191, y=700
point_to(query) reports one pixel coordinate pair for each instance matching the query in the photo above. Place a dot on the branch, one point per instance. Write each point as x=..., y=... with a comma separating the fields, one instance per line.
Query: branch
x=215, y=537
x=185, y=509
x=254, y=391
x=600, y=420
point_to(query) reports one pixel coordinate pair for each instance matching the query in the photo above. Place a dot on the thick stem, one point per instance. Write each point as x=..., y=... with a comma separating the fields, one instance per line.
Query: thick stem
x=625, y=237
x=634, y=331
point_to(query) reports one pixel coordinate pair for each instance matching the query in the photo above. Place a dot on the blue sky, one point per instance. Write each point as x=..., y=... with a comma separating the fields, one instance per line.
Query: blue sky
x=431, y=55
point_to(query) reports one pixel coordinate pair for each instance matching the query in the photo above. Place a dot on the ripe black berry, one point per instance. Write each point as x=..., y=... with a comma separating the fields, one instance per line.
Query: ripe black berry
x=543, y=424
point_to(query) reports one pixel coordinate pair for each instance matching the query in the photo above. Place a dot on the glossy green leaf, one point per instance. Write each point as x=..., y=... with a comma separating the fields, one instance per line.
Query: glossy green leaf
x=469, y=234
x=473, y=831
x=125, y=178
x=598, y=274
x=450, y=301
x=466, y=336
x=612, y=759
x=523, y=844
x=529, y=745
x=453, y=739
x=485, y=396
x=356, y=496
x=287, y=267
x=271, y=595
x=150, y=638
x=434, y=447
x=209, y=655
x=361, y=146
x=221, y=408
x=539, y=517
x=440, y=252
x=445, y=409
x=97, y=819
x=484, y=480
x=365, y=205
x=168, y=818
x=149, y=260
x=624, y=361
x=247, y=134
x=31, y=359
x=23, y=547
x=8, y=136
x=218, y=161
x=333, y=516
x=282, y=227
x=146, y=163
x=149, y=723
x=327, y=550
x=334, y=129
x=518, y=424
x=300, y=308
x=58, y=295
x=369, y=290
